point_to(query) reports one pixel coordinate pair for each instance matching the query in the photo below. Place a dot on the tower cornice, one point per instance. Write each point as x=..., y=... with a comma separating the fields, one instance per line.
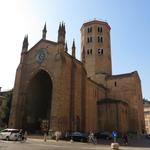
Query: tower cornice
x=96, y=22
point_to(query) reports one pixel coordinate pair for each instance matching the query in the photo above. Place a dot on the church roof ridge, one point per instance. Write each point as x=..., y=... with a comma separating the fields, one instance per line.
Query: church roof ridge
x=48, y=41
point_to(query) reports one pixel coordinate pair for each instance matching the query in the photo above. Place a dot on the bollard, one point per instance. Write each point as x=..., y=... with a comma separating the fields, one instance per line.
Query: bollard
x=45, y=137
x=115, y=146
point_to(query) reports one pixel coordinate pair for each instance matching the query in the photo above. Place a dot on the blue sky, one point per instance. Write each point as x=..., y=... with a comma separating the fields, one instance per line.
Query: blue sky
x=130, y=31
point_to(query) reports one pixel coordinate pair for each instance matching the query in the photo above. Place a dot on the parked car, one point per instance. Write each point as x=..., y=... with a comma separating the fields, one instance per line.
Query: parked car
x=103, y=135
x=9, y=134
x=147, y=136
x=78, y=136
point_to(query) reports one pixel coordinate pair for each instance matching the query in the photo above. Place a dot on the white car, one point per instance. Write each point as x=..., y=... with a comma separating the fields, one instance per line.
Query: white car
x=9, y=134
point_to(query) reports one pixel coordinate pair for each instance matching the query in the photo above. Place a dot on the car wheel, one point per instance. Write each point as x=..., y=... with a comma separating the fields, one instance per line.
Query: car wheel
x=7, y=138
x=81, y=140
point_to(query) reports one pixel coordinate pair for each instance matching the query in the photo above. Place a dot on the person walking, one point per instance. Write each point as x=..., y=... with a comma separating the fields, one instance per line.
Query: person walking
x=125, y=137
x=25, y=135
x=57, y=135
x=92, y=138
x=21, y=135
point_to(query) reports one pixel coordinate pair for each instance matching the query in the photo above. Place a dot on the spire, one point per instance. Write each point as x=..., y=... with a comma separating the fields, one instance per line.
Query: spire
x=61, y=33
x=83, y=55
x=44, y=32
x=63, y=27
x=59, y=27
x=66, y=47
x=73, y=49
x=25, y=44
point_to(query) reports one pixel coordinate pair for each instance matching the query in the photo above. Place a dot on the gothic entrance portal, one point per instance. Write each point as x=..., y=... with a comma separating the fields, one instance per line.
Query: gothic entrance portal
x=38, y=102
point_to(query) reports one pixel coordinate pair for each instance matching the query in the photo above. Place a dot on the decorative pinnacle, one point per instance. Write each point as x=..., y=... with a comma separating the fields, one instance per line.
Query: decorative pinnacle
x=73, y=48
x=66, y=47
x=45, y=30
x=73, y=45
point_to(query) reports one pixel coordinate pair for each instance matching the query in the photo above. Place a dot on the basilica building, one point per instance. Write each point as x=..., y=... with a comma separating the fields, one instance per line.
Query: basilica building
x=74, y=95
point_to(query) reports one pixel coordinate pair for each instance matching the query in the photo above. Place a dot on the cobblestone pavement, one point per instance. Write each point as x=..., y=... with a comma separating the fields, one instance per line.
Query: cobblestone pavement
x=39, y=144
x=135, y=144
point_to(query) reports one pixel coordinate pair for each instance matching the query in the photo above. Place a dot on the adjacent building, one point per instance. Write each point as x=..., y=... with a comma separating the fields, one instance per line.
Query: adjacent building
x=147, y=116
x=2, y=105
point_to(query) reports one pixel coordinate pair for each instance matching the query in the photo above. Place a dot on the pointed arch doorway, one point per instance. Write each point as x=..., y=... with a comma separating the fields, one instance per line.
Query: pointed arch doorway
x=38, y=102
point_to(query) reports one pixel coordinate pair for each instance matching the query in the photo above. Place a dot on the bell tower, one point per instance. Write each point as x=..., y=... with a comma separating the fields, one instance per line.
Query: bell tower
x=95, y=44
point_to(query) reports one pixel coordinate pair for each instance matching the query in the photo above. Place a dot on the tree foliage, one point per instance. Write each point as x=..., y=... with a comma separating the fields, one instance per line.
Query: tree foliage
x=5, y=107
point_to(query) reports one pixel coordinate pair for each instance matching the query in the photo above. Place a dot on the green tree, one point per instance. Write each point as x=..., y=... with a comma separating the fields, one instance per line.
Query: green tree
x=5, y=108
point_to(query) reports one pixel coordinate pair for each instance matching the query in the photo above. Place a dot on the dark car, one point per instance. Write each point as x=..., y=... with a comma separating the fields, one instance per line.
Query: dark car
x=78, y=136
x=103, y=135
x=147, y=136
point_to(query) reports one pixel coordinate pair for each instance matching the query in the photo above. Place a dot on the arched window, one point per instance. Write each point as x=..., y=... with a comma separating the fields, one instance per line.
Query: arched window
x=88, y=40
x=90, y=51
x=100, y=51
x=89, y=29
x=100, y=29
x=100, y=39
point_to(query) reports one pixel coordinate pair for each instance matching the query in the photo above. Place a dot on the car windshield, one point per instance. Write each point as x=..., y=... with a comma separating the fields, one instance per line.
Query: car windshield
x=11, y=130
x=76, y=133
x=4, y=131
x=15, y=131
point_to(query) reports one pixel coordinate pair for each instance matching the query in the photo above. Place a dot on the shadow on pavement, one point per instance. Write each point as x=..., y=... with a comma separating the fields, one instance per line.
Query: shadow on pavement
x=134, y=142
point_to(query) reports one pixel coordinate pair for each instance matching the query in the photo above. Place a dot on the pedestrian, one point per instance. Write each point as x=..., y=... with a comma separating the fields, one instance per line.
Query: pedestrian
x=57, y=135
x=92, y=138
x=67, y=135
x=114, y=135
x=45, y=136
x=21, y=134
x=25, y=135
x=125, y=138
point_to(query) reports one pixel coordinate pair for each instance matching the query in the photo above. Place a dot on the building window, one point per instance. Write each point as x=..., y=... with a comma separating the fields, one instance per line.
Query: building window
x=100, y=39
x=89, y=30
x=100, y=51
x=90, y=51
x=115, y=83
x=146, y=122
x=100, y=29
x=90, y=39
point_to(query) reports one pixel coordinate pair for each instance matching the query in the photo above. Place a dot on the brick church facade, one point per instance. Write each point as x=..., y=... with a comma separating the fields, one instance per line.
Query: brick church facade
x=74, y=95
